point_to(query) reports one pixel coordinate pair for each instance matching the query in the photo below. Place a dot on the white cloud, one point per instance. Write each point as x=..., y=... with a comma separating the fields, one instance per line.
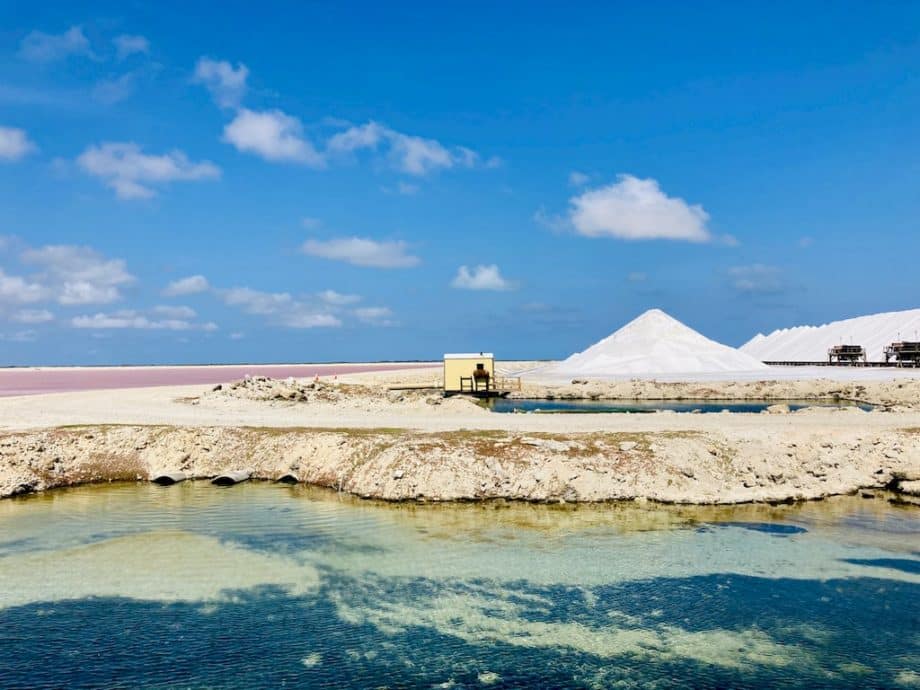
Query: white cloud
x=129, y=319
x=359, y=137
x=636, y=209
x=32, y=316
x=41, y=47
x=379, y=316
x=83, y=292
x=407, y=189
x=337, y=298
x=406, y=153
x=126, y=45
x=79, y=275
x=271, y=135
x=187, y=286
x=361, y=251
x=174, y=312
x=481, y=278
x=18, y=290
x=130, y=172
x=757, y=279
x=418, y=156
x=14, y=144
x=226, y=83
x=578, y=179
x=256, y=301
x=307, y=319
x=280, y=307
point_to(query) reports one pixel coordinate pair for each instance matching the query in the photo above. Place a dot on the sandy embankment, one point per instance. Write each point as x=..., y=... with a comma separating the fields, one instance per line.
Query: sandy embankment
x=397, y=445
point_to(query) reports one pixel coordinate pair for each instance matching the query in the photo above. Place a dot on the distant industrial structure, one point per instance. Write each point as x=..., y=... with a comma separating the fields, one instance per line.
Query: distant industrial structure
x=904, y=353
x=846, y=354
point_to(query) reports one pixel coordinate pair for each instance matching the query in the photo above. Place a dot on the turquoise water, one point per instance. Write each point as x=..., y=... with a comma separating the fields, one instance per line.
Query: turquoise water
x=262, y=585
x=645, y=406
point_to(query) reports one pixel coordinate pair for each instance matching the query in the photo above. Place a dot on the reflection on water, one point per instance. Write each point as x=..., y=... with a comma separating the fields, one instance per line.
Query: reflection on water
x=646, y=406
x=262, y=585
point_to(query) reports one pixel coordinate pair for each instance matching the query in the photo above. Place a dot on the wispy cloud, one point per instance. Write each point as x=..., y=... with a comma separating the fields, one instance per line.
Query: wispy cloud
x=407, y=189
x=281, y=308
x=132, y=174
x=226, y=83
x=130, y=319
x=637, y=209
x=757, y=279
x=172, y=311
x=578, y=179
x=553, y=222
x=127, y=45
x=337, y=298
x=27, y=336
x=14, y=144
x=378, y=316
x=187, y=286
x=361, y=251
x=114, y=90
x=272, y=135
x=482, y=277
x=72, y=99
x=38, y=46
x=32, y=316
x=409, y=154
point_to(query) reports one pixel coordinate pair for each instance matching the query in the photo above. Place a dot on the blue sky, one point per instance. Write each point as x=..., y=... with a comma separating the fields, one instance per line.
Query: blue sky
x=357, y=181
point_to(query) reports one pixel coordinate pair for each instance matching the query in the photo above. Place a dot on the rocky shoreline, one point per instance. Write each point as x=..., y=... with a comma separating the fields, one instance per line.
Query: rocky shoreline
x=687, y=467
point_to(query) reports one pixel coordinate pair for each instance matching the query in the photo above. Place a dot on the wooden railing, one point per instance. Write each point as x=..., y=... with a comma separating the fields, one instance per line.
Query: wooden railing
x=507, y=383
x=499, y=384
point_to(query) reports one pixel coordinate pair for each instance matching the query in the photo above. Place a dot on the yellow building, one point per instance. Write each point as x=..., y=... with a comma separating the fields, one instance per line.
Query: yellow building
x=469, y=372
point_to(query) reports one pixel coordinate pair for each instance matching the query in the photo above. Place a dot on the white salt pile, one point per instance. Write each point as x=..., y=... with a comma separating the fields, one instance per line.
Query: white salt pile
x=655, y=343
x=810, y=343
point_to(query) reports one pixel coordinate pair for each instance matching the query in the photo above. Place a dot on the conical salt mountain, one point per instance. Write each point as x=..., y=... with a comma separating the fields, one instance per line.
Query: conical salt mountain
x=655, y=343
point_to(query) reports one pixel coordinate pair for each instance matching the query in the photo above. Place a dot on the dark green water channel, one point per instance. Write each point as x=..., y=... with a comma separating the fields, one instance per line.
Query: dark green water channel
x=260, y=585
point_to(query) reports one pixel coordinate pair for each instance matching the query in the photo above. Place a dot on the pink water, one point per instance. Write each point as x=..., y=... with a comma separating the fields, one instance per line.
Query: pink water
x=53, y=380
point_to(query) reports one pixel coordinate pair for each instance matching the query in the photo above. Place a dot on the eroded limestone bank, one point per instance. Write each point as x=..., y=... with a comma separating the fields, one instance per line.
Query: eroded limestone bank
x=397, y=464
x=892, y=394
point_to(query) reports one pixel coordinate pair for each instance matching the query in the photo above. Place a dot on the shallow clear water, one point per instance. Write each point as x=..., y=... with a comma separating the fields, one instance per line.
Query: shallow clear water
x=645, y=406
x=193, y=586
